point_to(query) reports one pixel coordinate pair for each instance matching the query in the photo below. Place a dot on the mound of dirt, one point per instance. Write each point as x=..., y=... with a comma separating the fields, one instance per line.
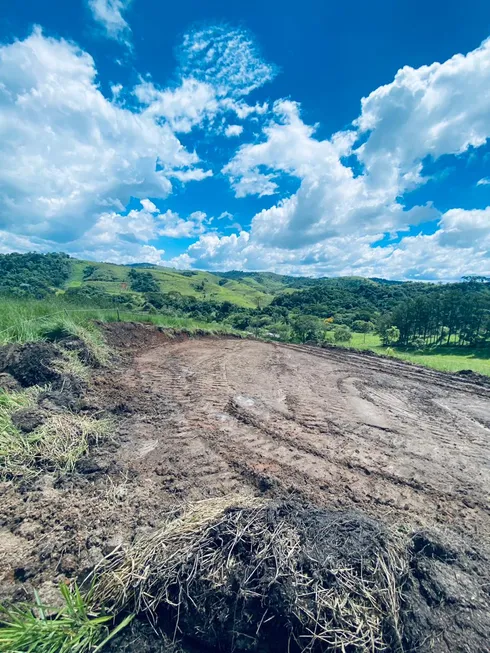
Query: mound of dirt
x=31, y=363
x=83, y=352
x=282, y=576
x=7, y=382
x=35, y=363
x=28, y=419
x=134, y=335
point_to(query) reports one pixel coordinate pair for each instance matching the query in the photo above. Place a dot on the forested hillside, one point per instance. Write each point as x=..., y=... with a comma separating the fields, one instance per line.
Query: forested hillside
x=34, y=275
x=406, y=314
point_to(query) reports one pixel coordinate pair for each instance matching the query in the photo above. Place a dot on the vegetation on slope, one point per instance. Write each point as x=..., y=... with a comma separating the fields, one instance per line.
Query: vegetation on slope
x=409, y=319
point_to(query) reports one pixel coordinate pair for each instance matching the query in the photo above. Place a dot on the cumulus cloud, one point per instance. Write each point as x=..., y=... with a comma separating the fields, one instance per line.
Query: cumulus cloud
x=233, y=130
x=485, y=181
x=331, y=200
x=109, y=14
x=120, y=238
x=424, y=113
x=149, y=206
x=184, y=107
x=139, y=226
x=68, y=153
x=446, y=255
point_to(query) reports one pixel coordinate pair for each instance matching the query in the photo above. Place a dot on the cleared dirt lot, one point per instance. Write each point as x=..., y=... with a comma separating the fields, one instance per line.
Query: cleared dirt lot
x=337, y=427
x=207, y=417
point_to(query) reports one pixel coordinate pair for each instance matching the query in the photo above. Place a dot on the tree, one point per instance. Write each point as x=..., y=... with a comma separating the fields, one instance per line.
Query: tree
x=342, y=334
x=390, y=335
x=363, y=326
x=418, y=343
x=307, y=327
x=88, y=271
x=143, y=281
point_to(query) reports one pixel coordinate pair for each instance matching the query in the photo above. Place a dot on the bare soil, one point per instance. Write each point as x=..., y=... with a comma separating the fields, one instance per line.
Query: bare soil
x=203, y=417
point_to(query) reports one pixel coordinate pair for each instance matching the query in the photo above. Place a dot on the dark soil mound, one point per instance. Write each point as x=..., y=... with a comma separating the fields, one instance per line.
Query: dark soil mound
x=31, y=363
x=133, y=335
x=28, y=419
x=289, y=577
x=83, y=352
x=7, y=382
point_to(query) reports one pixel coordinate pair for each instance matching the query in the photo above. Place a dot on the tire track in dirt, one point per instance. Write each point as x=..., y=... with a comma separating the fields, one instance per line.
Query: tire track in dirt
x=213, y=416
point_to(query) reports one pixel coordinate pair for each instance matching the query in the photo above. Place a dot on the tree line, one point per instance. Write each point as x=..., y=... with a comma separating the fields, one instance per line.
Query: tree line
x=458, y=315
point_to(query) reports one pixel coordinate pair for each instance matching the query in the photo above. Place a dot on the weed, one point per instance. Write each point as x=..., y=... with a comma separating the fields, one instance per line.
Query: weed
x=14, y=445
x=75, y=628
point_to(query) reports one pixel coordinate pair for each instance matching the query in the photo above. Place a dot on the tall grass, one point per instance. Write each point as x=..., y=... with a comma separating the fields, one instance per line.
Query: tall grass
x=75, y=628
x=25, y=320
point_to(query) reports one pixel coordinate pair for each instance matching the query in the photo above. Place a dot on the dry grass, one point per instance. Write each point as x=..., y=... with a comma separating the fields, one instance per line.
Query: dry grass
x=57, y=445
x=71, y=365
x=231, y=547
x=88, y=333
x=125, y=575
x=65, y=437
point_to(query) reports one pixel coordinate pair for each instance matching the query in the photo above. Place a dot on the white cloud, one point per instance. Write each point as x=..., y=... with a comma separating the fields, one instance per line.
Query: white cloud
x=445, y=255
x=485, y=181
x=331, y=200
x=109, y=13
x=193, y=174
x=172, y=226
x=434, y=110
x=428, y=111
x=233, y=130
x=149, y=206
x=184, y=107
x=142, y=225
x=226, y=58
x=68, y=153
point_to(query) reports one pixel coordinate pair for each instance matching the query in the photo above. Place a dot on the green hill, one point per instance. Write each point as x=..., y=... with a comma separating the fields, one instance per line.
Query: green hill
x=246, y=291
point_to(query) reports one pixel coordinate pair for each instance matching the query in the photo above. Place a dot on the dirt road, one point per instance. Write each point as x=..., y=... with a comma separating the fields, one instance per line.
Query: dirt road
x=211, y=416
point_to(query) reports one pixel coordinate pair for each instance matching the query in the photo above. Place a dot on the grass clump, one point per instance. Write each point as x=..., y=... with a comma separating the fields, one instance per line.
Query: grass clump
x=65, y=438
x=72, y=365
x=243, y=574
x=88, y=334
x=75, y=628
x=15, y=446
x=57, y=445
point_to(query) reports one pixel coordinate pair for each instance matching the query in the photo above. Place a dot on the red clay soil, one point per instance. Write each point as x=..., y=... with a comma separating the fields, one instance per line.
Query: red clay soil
x=204, y=417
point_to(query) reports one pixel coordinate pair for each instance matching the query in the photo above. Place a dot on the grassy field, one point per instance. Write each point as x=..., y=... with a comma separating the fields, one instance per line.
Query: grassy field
x=23, y=320
x=204, y=285
x=29, y=320
x=445, y=359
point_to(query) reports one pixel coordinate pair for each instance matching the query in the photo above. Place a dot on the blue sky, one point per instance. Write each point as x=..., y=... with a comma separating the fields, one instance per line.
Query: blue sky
x=224, y=135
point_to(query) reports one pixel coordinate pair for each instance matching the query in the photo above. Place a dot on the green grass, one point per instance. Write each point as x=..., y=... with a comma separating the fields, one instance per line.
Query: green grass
x=443, y=358
x=246, y=293
x=74, y=628
x=27, y=320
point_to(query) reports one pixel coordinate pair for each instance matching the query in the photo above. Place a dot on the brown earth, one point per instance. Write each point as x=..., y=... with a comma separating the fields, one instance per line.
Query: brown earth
x=205, y=417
